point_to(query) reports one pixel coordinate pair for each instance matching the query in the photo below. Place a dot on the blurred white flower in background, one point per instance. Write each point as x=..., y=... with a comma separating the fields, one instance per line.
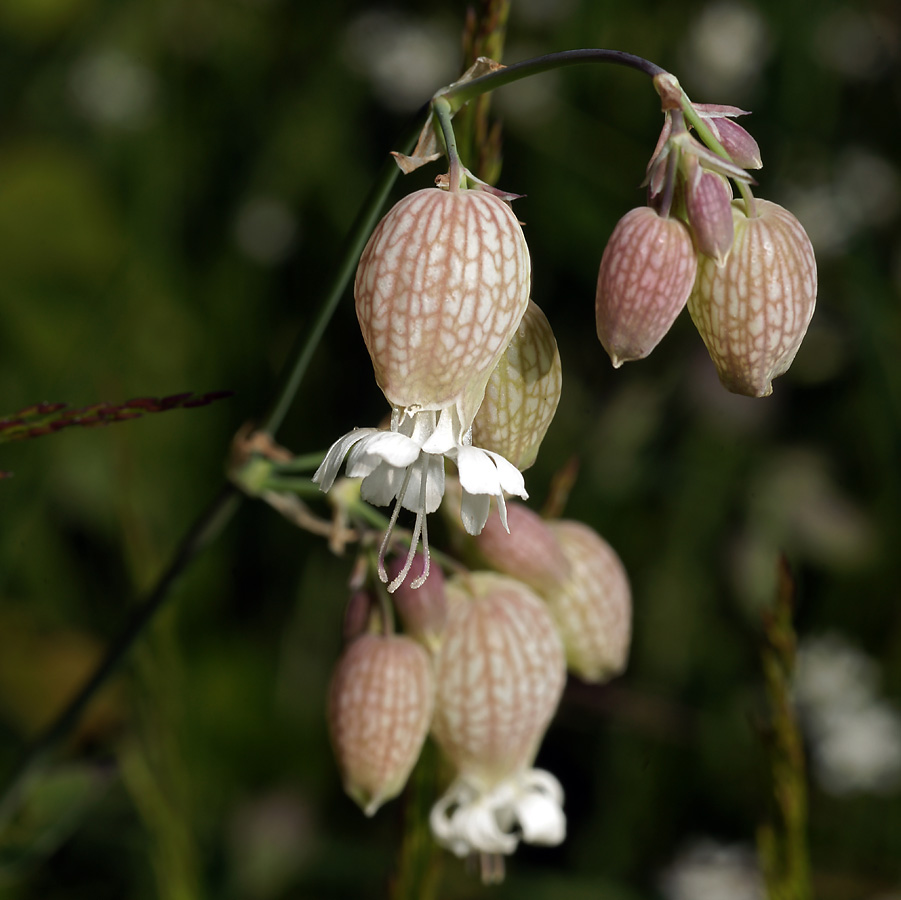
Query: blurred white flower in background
x=864, y=194
x=727, y=47
x=111, y=87
x=707, y=870
x=858, y=45
x=265, y=229
x=406, y=59
x=855, y=734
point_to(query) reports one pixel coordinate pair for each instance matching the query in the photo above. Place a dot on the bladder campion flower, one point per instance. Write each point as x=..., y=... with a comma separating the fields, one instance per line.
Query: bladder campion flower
x=644, y=280
x=498, y=676
x=380, y=706
x=440, y=289
x=753, y=311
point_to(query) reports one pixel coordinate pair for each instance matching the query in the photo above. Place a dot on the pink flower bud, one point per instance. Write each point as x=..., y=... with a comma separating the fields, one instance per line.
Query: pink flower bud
x=440, y=289
x=737, y=142
x=522, y=393
x=753, y=312
x=708, y=201
x=592, y=607
x=357, y=615
x=530, y=552
x=498, y=677
x=646, y=274
x=380, y=705
x=423, y=610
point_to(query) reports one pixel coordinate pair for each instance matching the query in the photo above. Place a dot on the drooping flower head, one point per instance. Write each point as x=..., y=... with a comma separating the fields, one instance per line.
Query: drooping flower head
x=753, y=312
x=440, y=290
x=380, y=706
x=644, y=280
x=499, y=676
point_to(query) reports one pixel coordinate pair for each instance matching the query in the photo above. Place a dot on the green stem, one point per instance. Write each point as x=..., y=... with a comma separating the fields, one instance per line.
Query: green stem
x=307, y=343
x=217, y=515
x=783, y=842
x=213, y=520
x=458, y=94
x=708, y=137
x=443, y=114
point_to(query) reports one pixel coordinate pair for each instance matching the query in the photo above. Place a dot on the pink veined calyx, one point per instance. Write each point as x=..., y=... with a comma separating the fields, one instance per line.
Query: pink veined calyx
x=440, y=290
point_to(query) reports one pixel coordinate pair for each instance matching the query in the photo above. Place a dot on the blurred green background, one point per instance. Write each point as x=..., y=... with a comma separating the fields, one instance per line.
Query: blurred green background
x=175, y=182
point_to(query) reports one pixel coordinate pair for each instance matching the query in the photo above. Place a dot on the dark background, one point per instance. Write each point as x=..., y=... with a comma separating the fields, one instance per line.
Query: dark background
x=175, y=182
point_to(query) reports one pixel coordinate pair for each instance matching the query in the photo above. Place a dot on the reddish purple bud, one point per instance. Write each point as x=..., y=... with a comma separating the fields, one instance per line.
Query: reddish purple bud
x=737, y=142
x=422, y=610
x=357, y=616
x=708, y=202
x=753, y=312
x=530, y=552
x=645, y=278
x=380, y=705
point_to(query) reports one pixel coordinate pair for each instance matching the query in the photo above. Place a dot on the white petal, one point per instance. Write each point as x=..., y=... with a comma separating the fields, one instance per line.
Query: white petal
x=381, y=487
x=510, y=477
x=445, y=436
x=474, y=511
x=432, y=468
x=478, y=824
x=478, y=472
x=471, y=827
x=326, y=474
x=539, y=809
x=395, y=449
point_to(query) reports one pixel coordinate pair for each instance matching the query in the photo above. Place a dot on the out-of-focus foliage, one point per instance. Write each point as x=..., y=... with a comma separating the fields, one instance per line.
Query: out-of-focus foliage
x=175, y=182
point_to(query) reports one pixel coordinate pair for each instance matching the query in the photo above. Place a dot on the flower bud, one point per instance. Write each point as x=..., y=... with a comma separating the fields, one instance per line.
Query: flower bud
x=358, y=616
x=646, y=274
x=754, y=311
x=530, y=552
x=498, y=677
x=522, y=393
x=592, y=607
x=708, y=202
x=737, y=142
x=380, y=705
x=440, y=289
x=423, y=610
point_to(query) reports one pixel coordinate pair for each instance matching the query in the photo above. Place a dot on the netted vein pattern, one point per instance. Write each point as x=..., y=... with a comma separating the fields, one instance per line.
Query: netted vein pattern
x=380, y=704
x=593, y=605
x=646, y=274
x=499, y=677
x=522, y=393
x=441, y=286
x=753, y=312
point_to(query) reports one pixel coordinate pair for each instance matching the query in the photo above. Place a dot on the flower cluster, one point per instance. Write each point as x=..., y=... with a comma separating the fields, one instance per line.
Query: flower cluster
x=481, y=666
x=745, y=268
x=470, y=368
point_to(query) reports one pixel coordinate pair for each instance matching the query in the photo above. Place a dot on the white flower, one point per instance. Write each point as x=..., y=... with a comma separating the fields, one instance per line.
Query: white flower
x=406, y=464
x=707, y=870
x=527, y=806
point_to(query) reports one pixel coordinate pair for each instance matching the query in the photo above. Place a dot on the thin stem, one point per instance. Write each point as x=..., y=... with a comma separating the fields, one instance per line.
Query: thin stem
x=707, y=136
x=307, y=343
x=216, y=516
x=443, y=114
x=458, y=94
